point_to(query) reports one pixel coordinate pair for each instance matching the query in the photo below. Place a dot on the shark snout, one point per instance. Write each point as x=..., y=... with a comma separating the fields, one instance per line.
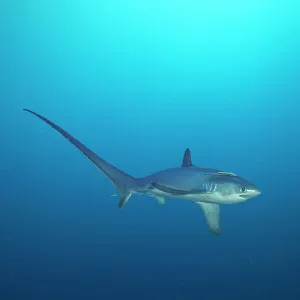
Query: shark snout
x=251, y=193
x=254, y=193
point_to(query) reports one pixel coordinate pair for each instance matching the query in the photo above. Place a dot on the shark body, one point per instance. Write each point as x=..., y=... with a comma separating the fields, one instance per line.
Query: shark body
x=206, y=187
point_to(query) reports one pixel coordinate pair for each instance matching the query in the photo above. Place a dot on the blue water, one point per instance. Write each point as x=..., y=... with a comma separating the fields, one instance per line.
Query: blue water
x=139, y=82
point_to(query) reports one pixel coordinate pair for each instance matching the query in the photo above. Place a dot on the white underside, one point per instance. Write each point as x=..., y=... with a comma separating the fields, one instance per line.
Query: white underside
x=214, y=197
x=211, y=211
x=209, y=203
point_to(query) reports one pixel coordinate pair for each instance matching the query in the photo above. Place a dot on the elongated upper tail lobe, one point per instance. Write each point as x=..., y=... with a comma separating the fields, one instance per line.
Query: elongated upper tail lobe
x=124, y=183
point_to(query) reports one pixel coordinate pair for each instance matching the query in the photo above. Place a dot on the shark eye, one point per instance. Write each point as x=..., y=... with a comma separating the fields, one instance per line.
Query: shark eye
x=243, y=190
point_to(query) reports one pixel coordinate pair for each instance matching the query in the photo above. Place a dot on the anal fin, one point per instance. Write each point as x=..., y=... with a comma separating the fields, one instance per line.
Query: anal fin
x=160, y=200
x=212, y=216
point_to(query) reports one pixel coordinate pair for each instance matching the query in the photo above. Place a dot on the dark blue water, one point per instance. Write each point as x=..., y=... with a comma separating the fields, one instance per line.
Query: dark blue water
x=139, y=82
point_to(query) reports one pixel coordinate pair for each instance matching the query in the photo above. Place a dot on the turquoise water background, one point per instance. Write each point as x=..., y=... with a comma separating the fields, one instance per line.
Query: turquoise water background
x=139, y=82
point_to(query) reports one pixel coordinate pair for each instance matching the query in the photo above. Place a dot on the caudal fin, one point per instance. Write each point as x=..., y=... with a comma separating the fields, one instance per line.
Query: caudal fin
x=124, y=183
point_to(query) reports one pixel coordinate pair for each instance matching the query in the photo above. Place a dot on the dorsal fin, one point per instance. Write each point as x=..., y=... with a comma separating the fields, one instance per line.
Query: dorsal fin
x=187, y=159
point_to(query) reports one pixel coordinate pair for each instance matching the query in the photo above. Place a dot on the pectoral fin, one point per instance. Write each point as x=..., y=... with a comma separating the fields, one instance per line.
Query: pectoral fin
x=212, y=216
x=172, y=191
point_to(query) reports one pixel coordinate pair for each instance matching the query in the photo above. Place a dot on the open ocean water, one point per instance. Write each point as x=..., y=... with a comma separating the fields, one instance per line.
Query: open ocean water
x=138, y=82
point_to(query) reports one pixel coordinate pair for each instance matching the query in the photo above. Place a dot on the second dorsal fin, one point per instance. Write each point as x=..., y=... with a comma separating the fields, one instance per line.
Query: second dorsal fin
x=187, y=159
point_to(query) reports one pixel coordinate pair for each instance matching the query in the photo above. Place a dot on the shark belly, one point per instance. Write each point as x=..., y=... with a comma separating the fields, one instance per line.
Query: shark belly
x=207, y=197
x=210, y=207
x=158, y=193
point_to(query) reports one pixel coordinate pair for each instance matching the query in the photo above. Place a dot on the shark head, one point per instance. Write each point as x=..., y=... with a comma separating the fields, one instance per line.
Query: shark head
x=233, y=189
x=221, y=187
